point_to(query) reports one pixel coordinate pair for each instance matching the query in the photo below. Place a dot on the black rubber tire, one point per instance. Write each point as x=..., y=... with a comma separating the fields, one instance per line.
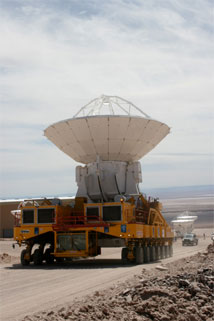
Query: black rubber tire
x=37, y=257
x=146, y=251
x=166, y=251
x=124, y=255
x=49, y=259
x=162, y=254
x=170, y=250
x=24, y=262
x=157, y=253
x=139, y=255
x=152, y=253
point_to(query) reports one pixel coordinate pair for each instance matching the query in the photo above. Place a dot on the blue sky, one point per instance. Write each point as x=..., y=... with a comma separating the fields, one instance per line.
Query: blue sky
x=58, y=55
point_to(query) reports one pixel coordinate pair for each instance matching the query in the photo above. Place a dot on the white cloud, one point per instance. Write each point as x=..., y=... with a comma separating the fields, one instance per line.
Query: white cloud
x=57, y=56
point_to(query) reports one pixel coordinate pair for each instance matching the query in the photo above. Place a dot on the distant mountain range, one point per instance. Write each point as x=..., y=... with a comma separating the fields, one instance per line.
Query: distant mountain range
x=161, y=193
x=181, y=191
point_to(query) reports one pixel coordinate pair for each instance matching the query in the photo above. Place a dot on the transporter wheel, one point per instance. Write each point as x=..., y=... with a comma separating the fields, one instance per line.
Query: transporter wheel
x=162, y=252
x=157, y=252
x=124, y=255
x=139, y=255
x=166, y=251
x=146, y=254
x=170, y=251
x=152, y=253
x=48, y=257
x=24, y=262
x=37, y=257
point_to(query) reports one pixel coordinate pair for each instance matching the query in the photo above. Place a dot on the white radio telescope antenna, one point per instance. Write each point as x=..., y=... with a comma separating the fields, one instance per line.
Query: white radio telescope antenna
x=108, y=127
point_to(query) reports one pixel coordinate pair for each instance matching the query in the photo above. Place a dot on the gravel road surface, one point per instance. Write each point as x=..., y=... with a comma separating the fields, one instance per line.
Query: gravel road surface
x=26, y=290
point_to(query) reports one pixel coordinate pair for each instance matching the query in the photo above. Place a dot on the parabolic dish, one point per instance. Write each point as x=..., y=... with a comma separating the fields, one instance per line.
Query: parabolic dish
x=111, y=137
x=118, y=138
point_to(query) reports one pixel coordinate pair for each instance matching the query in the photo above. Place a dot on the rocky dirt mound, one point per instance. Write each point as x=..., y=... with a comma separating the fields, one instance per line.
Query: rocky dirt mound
x=5, y=258
x=210, y=248
x=183, y=291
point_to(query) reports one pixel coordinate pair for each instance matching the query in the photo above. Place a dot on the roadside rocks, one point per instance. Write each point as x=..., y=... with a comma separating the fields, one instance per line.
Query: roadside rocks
x=161, y=268
x=182, y=291
x=210, y=248
x=5, y=258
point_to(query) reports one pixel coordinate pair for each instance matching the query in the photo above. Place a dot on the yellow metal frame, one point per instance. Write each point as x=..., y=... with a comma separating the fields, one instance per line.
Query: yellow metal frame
x=27, y=231
x=155, y=231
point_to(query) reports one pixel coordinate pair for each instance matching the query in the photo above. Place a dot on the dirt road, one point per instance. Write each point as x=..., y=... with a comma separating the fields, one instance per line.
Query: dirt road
x=31, y=289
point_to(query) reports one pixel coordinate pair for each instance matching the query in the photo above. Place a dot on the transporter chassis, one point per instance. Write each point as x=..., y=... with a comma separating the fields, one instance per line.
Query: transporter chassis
x=59, y=233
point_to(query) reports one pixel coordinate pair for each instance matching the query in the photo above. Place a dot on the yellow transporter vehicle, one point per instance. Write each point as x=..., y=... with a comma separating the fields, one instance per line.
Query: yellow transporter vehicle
x=64, y=232
x=109, y=136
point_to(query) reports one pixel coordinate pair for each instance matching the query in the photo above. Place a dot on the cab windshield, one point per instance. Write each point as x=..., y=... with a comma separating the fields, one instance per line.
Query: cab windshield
x=188, y=236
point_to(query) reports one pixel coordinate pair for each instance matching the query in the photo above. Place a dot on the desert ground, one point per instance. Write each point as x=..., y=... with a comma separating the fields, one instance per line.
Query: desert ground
x=37, y=291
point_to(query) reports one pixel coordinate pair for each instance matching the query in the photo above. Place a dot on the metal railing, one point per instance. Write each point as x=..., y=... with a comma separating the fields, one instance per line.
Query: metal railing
x=139, y=216
x=76, y=221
